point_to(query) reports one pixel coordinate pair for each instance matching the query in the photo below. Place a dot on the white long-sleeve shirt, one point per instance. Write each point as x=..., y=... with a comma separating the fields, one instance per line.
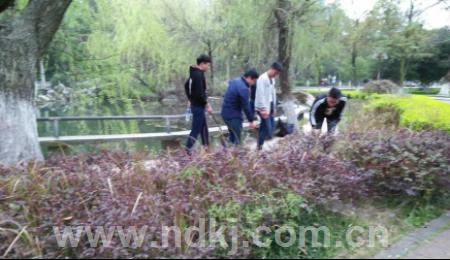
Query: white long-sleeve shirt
x=265, y=93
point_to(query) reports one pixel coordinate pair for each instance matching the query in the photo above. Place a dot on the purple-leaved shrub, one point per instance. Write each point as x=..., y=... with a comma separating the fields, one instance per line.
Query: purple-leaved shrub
x=117, y=189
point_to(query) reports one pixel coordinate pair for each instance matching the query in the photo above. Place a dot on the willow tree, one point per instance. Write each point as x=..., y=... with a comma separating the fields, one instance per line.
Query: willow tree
x=134, y=55
x=200, y=23
x=23, y=39
x=288, y=13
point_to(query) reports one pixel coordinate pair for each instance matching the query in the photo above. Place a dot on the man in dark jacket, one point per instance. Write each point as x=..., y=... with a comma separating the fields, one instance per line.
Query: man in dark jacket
x=236, y=101
x=196, y=91
x=328, y=106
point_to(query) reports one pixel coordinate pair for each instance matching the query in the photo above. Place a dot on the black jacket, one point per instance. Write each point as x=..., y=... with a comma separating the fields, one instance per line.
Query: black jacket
x=195, y=87
x=320, y=110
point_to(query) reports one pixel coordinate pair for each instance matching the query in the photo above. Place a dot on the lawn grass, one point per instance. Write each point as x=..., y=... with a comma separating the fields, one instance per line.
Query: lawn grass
x=418, y=113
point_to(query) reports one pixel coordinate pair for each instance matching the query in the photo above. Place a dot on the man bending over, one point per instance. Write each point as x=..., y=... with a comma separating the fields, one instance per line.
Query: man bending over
x=328, y=106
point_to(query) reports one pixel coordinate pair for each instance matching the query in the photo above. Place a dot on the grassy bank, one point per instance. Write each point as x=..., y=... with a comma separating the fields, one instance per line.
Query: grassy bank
x=415, y=112
x=351, y=94
x=423, y=91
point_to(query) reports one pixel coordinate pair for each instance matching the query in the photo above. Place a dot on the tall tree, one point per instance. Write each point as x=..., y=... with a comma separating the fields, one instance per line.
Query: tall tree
x=287, y=12
x=202, y=24
x=435, y=67
x=359, y=41
x=23, y=39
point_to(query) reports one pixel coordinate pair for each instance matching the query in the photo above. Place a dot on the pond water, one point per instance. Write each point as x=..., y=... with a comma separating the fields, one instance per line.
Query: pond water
x=132, y=108
x=115, y=108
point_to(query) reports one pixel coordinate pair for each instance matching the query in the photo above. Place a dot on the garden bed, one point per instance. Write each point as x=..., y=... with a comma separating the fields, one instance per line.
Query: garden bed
x=305, y=182
x=416, y=112
x=374, y=174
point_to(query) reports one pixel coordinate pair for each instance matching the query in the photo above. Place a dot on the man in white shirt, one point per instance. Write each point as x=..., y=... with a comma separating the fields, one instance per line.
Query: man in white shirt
x=266, y=101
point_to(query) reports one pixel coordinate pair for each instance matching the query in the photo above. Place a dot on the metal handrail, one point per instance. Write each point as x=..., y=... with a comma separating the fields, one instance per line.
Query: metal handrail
x=111, y=118
x=56, y=120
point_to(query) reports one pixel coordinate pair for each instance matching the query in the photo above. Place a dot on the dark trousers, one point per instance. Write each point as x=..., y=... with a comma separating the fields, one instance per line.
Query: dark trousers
x=252, y=108
x=235, y=129
x=265, y=130
x=199, y=127
x=331, y=124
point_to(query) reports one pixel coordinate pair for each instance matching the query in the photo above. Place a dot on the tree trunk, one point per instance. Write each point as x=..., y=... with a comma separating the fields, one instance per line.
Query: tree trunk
x=403, y=70
x=355, y=56
x=354, y=68
x=404, y=59
x=210, y=54
x=18, y=132
x=284, y=44
x=318, y=66
x=22, y=43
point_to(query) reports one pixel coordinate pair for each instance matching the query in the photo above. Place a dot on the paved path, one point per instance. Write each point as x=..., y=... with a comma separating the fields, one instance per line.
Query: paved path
x=430, y=242
x=442, y=98
x=437, y=248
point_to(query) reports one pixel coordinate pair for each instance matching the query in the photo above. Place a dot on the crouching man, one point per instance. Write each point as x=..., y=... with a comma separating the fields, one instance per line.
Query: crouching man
x=236, y=102
x=330, y=107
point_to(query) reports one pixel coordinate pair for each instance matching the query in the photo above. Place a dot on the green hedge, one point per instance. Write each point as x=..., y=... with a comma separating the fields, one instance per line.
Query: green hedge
x=423, y=91
x=357, y=94
x=351, y=94
x=415, y=112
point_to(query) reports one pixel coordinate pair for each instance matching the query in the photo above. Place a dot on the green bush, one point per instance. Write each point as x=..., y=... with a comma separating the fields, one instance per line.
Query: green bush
x=356, y=94
x=351, y=94
x=415, y=112
x=424, y=91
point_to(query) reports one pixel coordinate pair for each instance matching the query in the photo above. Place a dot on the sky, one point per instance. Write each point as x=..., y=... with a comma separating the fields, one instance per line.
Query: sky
x=433, y=18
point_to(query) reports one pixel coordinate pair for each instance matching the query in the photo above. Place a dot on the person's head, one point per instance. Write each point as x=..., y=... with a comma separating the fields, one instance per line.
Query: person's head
x=251, y=76
x=203, y=62
x=334, y=97
x=275, y=69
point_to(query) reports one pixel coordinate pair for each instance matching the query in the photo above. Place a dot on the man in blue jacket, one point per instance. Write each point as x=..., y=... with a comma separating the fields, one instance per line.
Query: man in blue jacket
x=237, y=101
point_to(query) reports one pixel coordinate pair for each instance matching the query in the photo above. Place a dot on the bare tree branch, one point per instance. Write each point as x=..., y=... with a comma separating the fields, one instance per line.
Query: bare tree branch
x=438, y=2
x=303, y=8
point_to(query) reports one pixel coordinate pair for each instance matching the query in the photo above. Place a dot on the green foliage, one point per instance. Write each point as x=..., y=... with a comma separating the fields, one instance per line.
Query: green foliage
x=143, y=48
x=351, y=94
x=355, y=94
x=314, y=61
x=419, y=216
x=424, y=91
x=437, y=65
x=416, y=112
x=13, y=10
